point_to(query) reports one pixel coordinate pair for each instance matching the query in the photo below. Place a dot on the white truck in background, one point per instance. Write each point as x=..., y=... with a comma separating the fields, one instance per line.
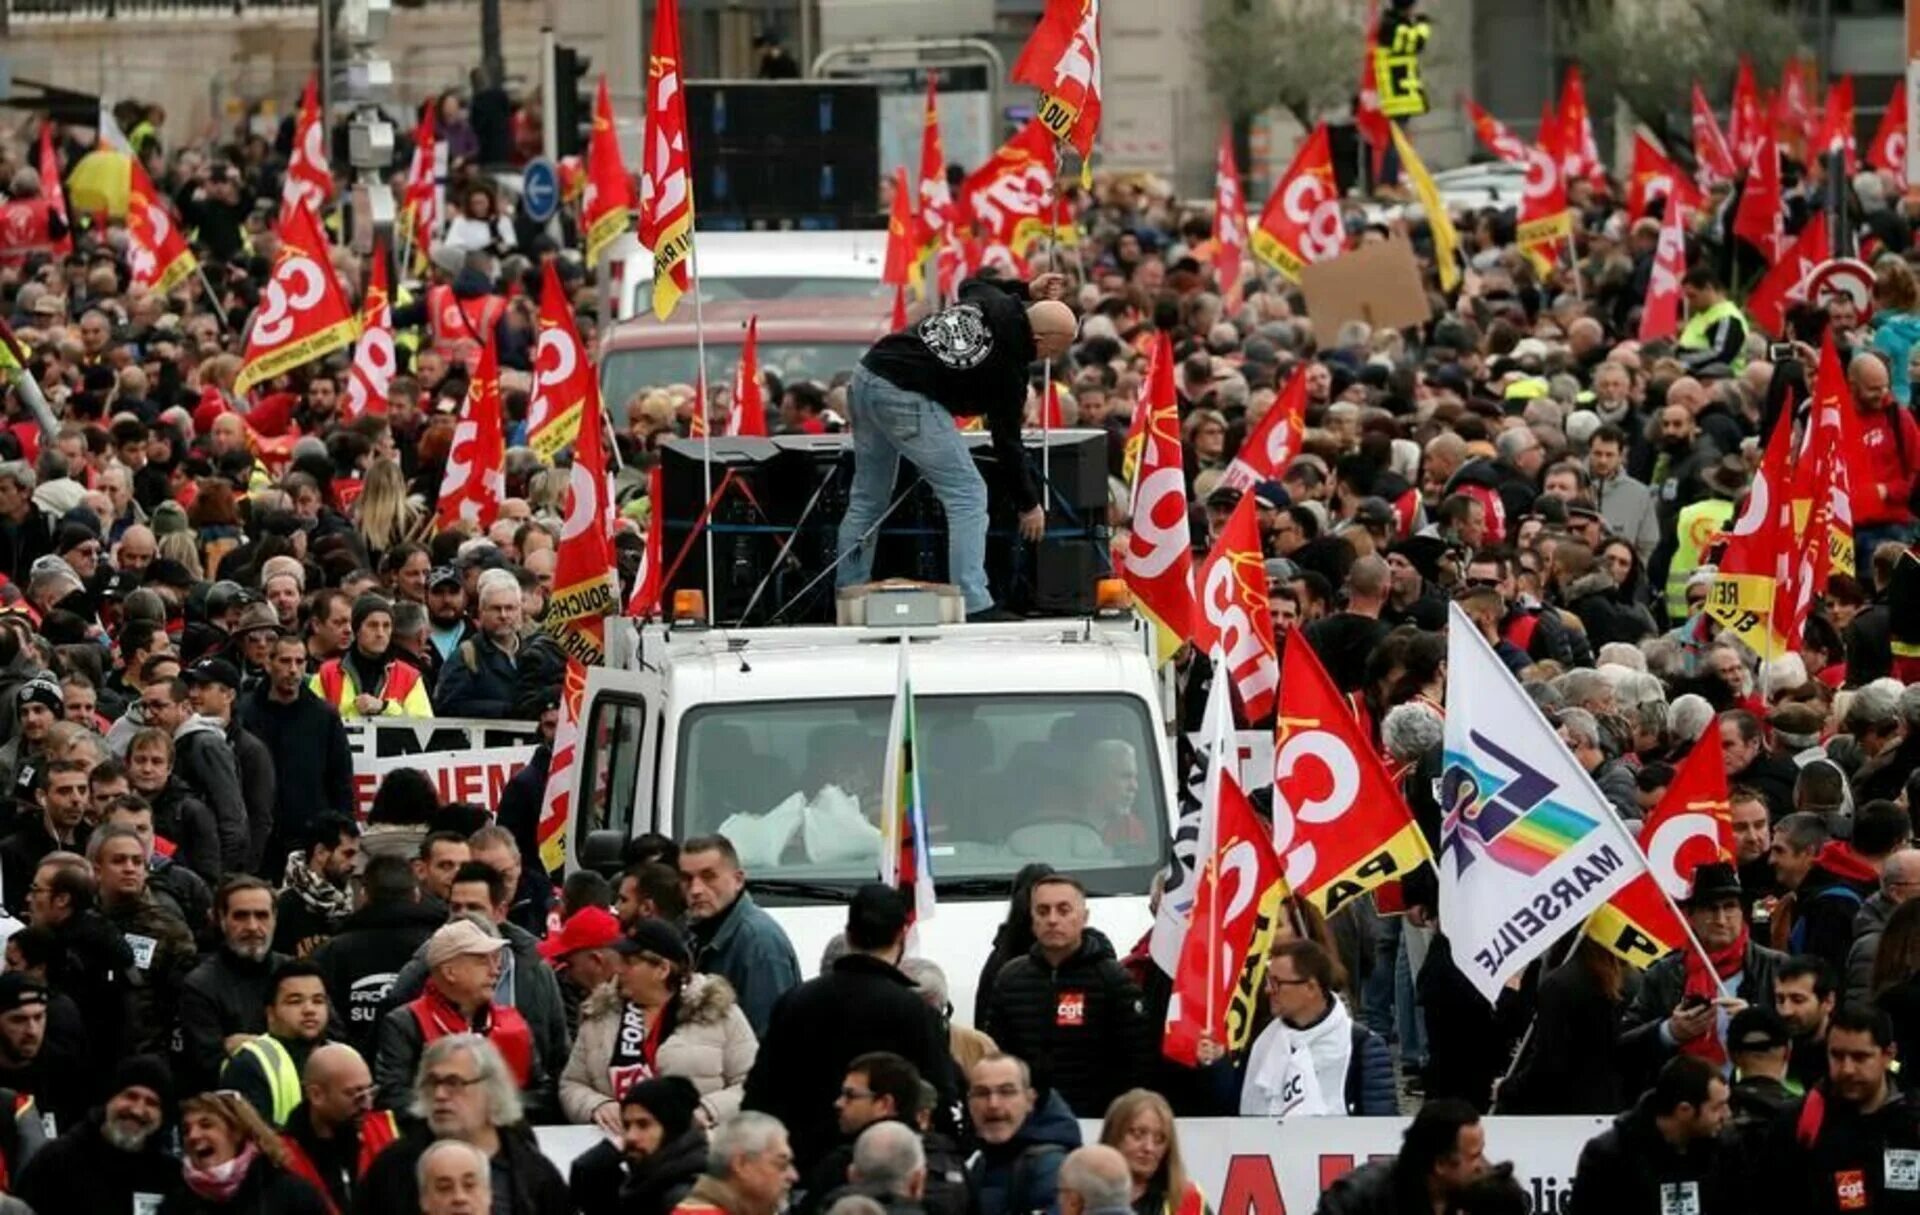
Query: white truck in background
x=1043, y=740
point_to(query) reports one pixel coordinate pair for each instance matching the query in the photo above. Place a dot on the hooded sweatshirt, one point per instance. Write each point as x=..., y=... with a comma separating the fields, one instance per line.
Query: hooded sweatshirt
x=204, y=760
x=1827, y=901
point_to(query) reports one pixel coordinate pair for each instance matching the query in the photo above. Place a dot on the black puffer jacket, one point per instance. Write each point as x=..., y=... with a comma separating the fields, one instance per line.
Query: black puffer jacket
x=1082, y=1026
x=1595, y=599
x=224, y=995
x=1629, y=1165
x=185, y=820
x=361, y=962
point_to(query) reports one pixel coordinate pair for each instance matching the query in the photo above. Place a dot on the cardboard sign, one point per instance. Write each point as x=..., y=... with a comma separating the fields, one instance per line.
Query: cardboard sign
x=1379, y=284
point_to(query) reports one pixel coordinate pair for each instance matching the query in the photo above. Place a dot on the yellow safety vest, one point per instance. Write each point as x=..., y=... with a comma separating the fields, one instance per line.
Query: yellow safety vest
x=283, y=1078
x=1396, y=70
x=1698, y=523
x=1694, y=335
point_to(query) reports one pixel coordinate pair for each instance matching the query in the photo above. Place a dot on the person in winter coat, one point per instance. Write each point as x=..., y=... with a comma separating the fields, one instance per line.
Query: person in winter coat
x=372, y=946
x=316, y=894
x=213, y=684
x=1352, y=1067
x=1572, y=1063
x=1591, y=746
x=1141, y=1127
x=235, y=1164
x=464, y=1090
x=1071, y=1006
x=1890, y=441
x=525, y=981
x=657, y=1018
x=1899, y=882
x=1827, y=895
x=1896, y=323
x=731, y=936
x=1442, y=1153
x=1023, y=1137
x=478, y=680
x=863, y=1003
x=162, y=945
x=1587, y=589
x=313, y=769
x=204, y=759
x=1667, y=1146
x=1851, y=1145
x=1757, y=1045
x=90, y=959
x=225, y=996
x=1013, y=938
x=117, y=1159
x=179, y=817
x=660, y=1153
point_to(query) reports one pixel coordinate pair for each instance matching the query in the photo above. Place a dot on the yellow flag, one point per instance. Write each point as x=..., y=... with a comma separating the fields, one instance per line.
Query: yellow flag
x=1446, y=242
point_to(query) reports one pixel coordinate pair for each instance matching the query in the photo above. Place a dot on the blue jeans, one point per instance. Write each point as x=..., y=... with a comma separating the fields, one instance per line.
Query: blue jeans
x=890, y=422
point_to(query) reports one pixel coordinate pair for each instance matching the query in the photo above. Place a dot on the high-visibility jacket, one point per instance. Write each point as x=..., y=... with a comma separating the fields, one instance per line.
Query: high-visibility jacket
x=1695, y=334
x=26, y=229
x=460, y=326
x=283, y=1077
x=1698, y=524
x=405, y=692
x=1396, y=66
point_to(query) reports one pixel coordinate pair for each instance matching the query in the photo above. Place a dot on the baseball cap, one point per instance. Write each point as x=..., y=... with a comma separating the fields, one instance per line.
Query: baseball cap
x=443, y=575
x=17, y=991
x=654, y=936
x=458, y=939
x=587, y=928
x=213, y=670
x=1756, y=1029
x=1271, y=494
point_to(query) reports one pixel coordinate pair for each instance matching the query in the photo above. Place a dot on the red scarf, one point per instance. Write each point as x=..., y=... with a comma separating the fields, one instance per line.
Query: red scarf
x=1727, y=964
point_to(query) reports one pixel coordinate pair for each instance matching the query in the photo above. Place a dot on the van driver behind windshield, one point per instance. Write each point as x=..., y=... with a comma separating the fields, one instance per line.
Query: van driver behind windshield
x=970, y=360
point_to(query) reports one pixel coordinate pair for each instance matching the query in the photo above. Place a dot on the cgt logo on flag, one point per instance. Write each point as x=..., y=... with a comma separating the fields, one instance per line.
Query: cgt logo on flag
x=1513, y=823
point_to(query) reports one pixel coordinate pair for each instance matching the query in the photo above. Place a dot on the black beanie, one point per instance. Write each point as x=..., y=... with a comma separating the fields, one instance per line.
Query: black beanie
x=671, y=1100
x=368, y=604
x=144, y=1071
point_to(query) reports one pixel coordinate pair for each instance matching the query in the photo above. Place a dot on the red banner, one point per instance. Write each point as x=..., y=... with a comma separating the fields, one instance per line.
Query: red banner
x=1301, y=224
x=1710, y=150
x=1579, y=152
x=606, y=211
x=1545, y=222
x=647, y=580
x=563, y=381
x=1011, y=196
x=1748, y=122
x=309, y=182
x=1233, y=618
x=748, y=415
x=666, y=183
x=303, y=314
x=158, y=254
x=1660, y=316
x=1656, y=176
x=1692, y=826
x=1888, y=151
x=48, y=167
x=1159, y=557
x=475, y=479
x=374, y=359
x=1274, y=440
x=1229, y=219
x=1495, y=135
x=584, y=592
x=1781, y=285
x=1062, y=60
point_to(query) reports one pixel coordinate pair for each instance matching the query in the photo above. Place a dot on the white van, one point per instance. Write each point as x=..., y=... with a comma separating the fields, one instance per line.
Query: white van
x=760, y=267
x=1038, y=741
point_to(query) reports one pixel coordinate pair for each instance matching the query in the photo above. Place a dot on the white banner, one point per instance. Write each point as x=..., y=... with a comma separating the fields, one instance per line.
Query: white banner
x=1254, y=1166
x=468, y=760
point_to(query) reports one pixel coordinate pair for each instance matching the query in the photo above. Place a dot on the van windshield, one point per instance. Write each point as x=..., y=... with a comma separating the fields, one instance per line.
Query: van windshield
x=1069, y=779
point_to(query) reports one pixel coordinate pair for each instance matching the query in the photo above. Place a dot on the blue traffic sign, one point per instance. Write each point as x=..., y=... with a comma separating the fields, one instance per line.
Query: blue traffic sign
x=540, y=190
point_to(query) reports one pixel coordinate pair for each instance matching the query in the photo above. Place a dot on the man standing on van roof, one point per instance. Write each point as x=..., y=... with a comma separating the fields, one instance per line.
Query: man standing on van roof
x=966, y=361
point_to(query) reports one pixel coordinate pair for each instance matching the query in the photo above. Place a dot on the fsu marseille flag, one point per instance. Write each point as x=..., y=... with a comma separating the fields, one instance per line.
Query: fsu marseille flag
x=1529, y=847
x=904, y=860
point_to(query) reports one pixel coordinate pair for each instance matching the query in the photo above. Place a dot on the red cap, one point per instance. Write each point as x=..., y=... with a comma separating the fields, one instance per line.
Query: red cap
x=589, y=928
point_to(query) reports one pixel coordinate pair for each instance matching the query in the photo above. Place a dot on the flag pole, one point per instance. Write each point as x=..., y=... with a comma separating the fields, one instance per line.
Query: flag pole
x=700, y=405
x=213, y=297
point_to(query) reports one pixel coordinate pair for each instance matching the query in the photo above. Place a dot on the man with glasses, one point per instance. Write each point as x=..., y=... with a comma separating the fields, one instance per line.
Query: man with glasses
x=1352, y=1069
x=1535, y=631
x=879, y=1086
x=1899, y=882
x=334, y=1134
x=1679, y=1002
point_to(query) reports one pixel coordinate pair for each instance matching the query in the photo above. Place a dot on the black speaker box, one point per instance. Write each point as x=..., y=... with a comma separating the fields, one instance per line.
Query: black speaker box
x=791, y=492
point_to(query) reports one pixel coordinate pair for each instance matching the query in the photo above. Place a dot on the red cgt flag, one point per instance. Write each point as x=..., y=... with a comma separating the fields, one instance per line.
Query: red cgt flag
x=647, y=580
x=1795, y=101
x=48, y=166
x=1158, y=564
x=1656, y=176
x=309, y=182
x=1888, y=151
x=748, y=414
x=1579, y=152
x=1782, y=283
x=898, y=267
x=1301, y=222
x=1749, y=589
x=158, y=254
x=1274, y=440
x=556, y=803
x=1836, y=125
x=1010, y=195
x=1233, y=618
x=1229, y=219
x=606, y=211
x=1340, y=824
x=303, y=314
x=1496, y=136
x=1748, y=121
x=666, y=182
x=1368, y=116
x=1759, y=219
x=1062, y=60
x=583, y=583
x=374, y=360
x=1710, y=150
x=475, y=480
x=564, y=386
x=933, y=202
x=1692, y=826
x=1660, y=316
x=1545, y=221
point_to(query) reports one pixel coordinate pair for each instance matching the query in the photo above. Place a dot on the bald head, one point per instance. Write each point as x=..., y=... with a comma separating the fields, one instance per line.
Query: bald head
x=337, y=1085
x=1053, y=327
x=1900, y=874
x=1094, y=1178
x=1688, y=393
x=1867, y=376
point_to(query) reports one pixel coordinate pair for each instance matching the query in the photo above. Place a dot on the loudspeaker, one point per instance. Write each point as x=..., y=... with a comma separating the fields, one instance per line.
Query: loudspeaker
x=790, y=492
x=804, y=153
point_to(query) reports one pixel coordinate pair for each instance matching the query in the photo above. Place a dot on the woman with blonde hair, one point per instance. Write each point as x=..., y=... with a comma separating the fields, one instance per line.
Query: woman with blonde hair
x=234, y=1164
x=382, y=514
x=1140, y=1126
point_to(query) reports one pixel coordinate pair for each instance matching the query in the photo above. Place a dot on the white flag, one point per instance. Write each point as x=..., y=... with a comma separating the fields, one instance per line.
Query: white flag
x=1193, y=838
x=1529, y=846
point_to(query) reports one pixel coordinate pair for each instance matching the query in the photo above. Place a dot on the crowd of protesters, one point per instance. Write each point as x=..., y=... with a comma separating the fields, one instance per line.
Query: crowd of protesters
x=227, y=990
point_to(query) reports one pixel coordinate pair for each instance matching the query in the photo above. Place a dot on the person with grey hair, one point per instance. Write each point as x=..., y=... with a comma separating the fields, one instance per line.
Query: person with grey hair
x=454, y=1178
x=1899, y=882
x=1094, y=1180
x=1688, y=718
x=26, y=531
x=1621, y=654
x=1591, y=747
x=478, y=679
x=889, y=1161
x=1885, y=774
x=1871, y=725
x=749, y=1168
x=464, y=1091
x=1411, y=731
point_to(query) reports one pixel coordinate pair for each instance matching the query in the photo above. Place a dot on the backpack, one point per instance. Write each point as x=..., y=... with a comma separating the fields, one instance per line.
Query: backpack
x=1797, y=938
